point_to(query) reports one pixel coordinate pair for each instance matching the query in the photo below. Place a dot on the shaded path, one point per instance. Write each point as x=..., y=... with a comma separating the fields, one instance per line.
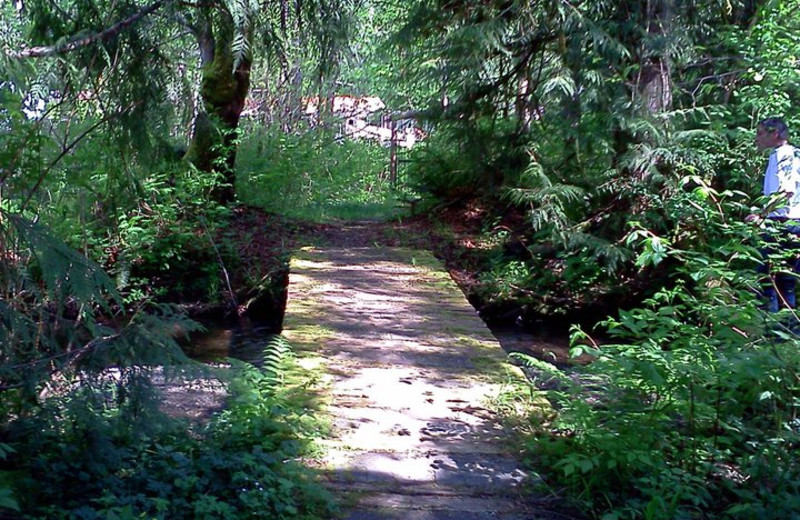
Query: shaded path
x=412, y=372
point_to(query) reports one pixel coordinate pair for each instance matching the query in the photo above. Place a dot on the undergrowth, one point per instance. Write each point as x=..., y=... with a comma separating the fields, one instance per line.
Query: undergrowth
x=94, y=453
x=690, y=410
x=314, y=176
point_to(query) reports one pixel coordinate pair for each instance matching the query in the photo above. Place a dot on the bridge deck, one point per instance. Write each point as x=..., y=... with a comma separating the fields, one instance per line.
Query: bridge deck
x=412, y=373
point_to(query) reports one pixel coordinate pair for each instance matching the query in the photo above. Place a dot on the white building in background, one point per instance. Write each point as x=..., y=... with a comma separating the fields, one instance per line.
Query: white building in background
x=358, y=121
x=359, y=117
x=347, y=106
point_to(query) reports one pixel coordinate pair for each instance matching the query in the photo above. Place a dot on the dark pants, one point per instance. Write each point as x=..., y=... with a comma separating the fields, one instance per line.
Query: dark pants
x=782, y=264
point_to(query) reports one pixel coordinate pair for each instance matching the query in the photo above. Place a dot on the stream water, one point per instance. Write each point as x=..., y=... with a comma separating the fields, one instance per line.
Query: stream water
x=245, y=339
x=242, y=339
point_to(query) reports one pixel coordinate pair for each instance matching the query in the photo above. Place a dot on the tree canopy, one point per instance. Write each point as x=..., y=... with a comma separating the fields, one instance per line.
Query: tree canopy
x=606, y=147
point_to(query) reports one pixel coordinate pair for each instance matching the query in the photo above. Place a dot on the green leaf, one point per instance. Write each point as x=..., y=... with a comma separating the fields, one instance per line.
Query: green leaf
x=7, y=500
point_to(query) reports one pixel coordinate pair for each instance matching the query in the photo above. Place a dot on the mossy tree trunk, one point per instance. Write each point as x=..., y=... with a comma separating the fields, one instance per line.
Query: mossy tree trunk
x=224, y=87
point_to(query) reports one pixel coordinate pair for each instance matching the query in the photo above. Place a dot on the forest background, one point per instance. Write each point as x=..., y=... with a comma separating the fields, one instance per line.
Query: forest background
x=604, y=147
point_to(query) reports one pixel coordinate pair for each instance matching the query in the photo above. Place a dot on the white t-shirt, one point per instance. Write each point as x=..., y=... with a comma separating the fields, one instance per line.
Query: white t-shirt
x=783, y=175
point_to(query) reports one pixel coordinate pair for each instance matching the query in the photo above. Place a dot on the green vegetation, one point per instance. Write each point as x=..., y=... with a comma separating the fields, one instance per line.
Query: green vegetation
x=605, y=152
x=589, y=163
x=124, y=459
x=689, y=410
x=314, y=177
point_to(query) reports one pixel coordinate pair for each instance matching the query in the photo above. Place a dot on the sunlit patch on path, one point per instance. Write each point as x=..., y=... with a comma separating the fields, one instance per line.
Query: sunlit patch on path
x=411, y=373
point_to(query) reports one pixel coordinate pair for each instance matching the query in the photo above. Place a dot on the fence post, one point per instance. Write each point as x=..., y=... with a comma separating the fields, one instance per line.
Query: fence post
x=393, y=154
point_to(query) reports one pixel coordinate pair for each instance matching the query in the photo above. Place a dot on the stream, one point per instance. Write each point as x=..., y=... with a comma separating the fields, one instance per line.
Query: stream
x=244, y=339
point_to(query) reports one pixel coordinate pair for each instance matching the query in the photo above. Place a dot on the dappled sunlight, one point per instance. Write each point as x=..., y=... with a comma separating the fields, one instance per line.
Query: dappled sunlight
x=307, y=264
x=411, y=371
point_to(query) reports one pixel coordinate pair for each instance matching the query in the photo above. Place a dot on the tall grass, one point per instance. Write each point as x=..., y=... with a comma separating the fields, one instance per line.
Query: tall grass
x=315, y=176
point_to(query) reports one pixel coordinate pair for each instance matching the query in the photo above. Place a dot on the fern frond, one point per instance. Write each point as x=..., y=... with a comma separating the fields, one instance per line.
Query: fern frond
x=274, y=359
x=542, y=374
x=244, y=14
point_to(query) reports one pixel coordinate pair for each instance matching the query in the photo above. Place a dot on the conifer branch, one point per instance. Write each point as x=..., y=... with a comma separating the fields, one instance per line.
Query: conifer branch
x=47, y=51
x=69, y=147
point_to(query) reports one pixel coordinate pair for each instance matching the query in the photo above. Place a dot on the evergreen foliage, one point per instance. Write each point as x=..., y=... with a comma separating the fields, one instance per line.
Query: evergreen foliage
x=584, y=118
x=100, y=223
x=690, y=409
x=607, y=141
x=633, y=122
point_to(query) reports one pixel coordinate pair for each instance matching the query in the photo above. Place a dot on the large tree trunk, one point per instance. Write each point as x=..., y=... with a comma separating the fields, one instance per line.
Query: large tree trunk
x=223, y=90
x=654, y=81
x=655, y=85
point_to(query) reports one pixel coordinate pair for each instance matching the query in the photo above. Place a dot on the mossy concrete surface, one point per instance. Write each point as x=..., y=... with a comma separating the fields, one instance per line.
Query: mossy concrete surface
x=411, y=375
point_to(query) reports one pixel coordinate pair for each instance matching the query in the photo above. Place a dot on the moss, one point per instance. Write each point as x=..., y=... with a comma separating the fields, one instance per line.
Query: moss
x=218, y=86
x=305, y=334
x=201, y=149
x=492, y=368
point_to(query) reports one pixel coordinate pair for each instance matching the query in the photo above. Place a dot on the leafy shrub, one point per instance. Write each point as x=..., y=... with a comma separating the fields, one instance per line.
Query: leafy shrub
x=691, y=410
x=468, y=159
x=167, y=242
x=87, y=458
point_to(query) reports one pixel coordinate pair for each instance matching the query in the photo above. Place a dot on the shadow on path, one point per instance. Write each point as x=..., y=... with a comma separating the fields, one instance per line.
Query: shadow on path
x=412, y=375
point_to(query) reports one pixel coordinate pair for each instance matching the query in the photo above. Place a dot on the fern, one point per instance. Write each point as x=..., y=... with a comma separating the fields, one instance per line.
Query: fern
x=277, y=354
x=244, y=14
x=542, y=374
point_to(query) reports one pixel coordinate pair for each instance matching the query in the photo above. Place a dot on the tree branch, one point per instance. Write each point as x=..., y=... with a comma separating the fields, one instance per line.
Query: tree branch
x=68, y=148
x=193, y=29
x=46, y=51
x=74, y=354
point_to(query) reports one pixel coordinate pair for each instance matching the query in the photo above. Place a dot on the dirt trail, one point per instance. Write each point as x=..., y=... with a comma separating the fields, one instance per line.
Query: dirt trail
x=412, y=377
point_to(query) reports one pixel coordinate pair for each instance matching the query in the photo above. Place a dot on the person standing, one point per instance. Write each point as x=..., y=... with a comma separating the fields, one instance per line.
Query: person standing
x=782, y=183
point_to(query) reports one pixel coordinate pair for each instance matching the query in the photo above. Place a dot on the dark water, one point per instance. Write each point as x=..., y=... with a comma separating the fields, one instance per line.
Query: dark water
x=242, y=339
x=553, y=348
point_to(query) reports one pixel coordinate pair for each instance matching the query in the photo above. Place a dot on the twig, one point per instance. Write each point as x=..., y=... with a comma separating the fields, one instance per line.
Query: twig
x=74, y=354
x=68, y=148
x=221, y=265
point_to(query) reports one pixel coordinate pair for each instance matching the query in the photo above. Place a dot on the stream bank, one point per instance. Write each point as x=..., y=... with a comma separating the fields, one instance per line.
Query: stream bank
x=263, y=244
